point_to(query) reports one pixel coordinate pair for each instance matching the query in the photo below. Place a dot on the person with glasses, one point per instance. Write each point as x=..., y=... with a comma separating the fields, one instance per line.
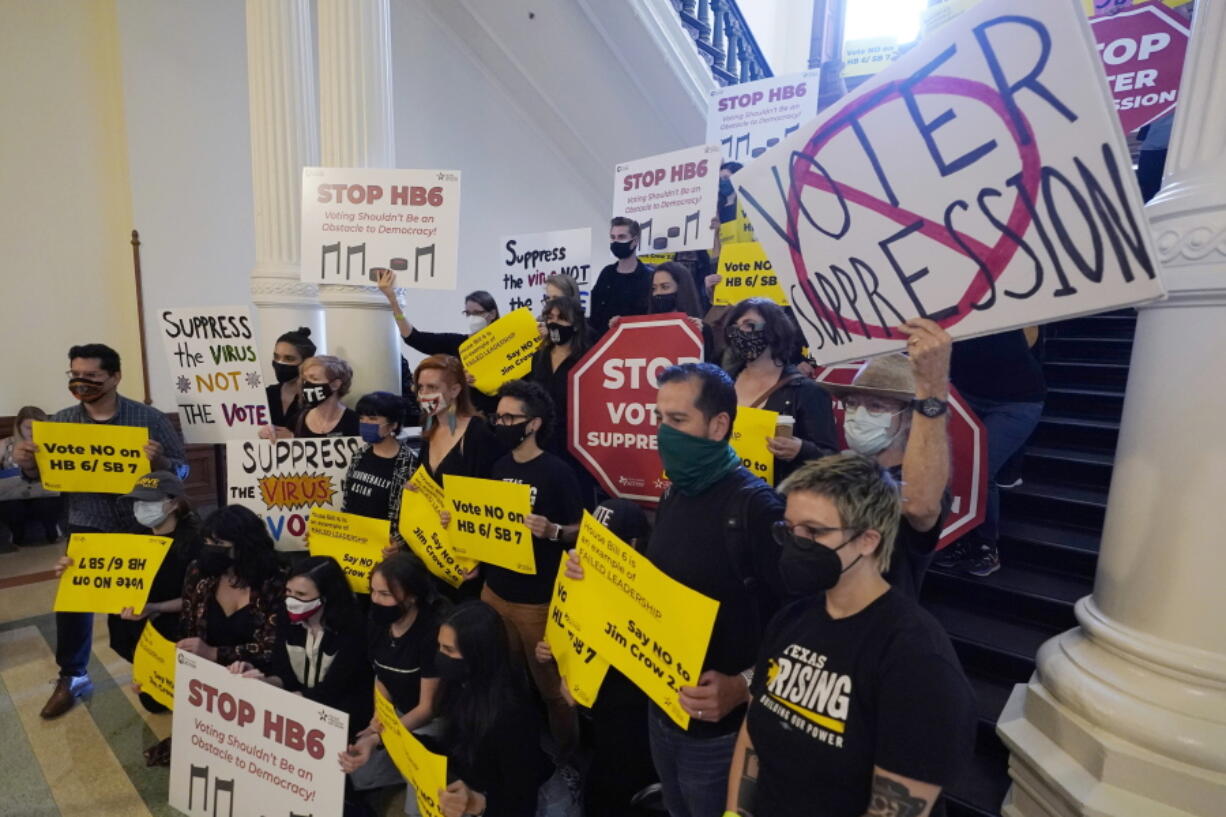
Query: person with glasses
x=93, y=380
x=896, y=411
x=858, y=701
x=480, y=311
x=525, y=415
x=761, y=337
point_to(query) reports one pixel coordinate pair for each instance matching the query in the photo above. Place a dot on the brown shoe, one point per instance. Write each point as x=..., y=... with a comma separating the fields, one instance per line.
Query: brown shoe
x=65, y=694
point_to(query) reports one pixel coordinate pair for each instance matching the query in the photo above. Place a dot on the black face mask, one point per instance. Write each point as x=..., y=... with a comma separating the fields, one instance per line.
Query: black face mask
x=806, y=572
x=664, y=303
x=451, y=669
x=748, y=345
x=622, y=249
x=559, y=333
x=315, y=393
x=213, y=561
x=385, y=615
x=509, y=437
x=285, y=372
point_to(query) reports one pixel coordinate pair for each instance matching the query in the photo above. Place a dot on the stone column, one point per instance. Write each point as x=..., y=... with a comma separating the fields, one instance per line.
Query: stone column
x=1126, y=715
x=284, y=138
x=357, y=130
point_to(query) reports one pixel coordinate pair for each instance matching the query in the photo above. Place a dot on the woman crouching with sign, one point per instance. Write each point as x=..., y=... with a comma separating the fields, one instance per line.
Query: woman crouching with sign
x=853, y=679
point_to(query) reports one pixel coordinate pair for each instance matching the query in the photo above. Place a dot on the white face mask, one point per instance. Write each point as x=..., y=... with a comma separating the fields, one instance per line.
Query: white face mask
x=476, y=323
x=300, y=610
x=868, y=434
x=150, y=514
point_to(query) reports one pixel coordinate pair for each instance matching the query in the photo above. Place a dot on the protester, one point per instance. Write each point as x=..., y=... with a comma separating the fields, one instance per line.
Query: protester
x=558, y=285
x=490, y=725
x=673, y=290
x=325, y=380
x=623, y=288
x=896, y=411
x=886, y=716
x=284, y=396
x=525, y=414
x=1003, y=383
x=321, y=654
x=401, y=642
x=760, y=337
x=27, y=508
x=727, y=191
x=566, y=341
x=455, y=440
x=93, y=379
x=713, y=534
x=480, y=310
x=374, y=483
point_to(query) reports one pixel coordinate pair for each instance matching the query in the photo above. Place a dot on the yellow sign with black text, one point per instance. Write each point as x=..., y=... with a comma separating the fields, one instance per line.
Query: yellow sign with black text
x=423, y=531
x=501, y=351
x=425, y=770
x=487, y=521
x=750, y=431
x=90, y=457
x=109, y=571
x=355, y=542
x=745, y=272
x=582, y=670
x=153, y=666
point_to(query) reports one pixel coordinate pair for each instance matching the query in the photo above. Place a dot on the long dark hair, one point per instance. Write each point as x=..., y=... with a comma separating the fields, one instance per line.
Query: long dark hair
x=484, y=300
x=687, y=292
x=780, y=329
x=339, y=602
x=493, y=685
x=571, y=310
x=407, y=575
x=255, y=557
x=301, y=341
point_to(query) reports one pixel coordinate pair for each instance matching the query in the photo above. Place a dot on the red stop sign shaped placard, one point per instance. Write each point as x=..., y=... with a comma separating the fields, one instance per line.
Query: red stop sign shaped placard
x=1142, y=50
x=612, y=397
x=969, y=455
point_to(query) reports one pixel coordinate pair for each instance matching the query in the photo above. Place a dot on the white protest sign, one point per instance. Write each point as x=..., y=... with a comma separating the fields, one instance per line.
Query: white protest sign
x=980, y=181
x=246, y=748
x=673, y=197
x=216, y=372
x=358, y=220
x=528, y=260
x=746, y=120
x=282, y=480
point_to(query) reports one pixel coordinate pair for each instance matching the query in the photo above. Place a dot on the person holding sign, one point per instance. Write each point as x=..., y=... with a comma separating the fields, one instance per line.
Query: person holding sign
x=325, y=380
x=285, y=396
x=480, y=310
x=525, y=414
x=760, y=339
x=673, y=290
x=93, y=379
x=858, y=699
x=624, y=287
x=374, y=483
x=322, y=655
x=26, y=506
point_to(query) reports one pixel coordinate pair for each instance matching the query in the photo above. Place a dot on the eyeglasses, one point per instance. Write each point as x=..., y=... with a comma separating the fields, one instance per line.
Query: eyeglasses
x=748, y=326
x=874, y=406
x=804, y=537
x=510, y=419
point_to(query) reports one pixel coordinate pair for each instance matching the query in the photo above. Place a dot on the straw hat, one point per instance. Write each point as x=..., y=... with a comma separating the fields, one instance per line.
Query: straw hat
x=887, y=376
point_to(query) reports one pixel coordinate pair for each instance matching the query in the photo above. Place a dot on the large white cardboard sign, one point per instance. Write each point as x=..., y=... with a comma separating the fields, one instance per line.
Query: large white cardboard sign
x=356, y=221
x=673, y=196
x=527, y=260
x=248, y=749
x=748, y=119
x=981, y=181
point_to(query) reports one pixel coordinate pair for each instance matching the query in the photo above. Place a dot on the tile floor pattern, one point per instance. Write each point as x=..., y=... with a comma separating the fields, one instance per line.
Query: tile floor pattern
x=89, y=762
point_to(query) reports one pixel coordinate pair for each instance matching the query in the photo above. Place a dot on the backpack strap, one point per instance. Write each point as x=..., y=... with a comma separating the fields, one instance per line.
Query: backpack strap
x=779, y=384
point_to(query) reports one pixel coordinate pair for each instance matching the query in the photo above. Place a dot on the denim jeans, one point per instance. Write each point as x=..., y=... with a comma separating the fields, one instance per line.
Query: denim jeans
x=693, y=771
x=74, y=633
x=1009, y=426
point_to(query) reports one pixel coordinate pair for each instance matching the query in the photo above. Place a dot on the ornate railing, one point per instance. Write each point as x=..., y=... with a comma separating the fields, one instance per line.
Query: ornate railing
x=723, y=39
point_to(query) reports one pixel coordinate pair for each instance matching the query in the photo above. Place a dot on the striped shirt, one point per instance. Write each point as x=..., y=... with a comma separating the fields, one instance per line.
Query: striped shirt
x=105, y=512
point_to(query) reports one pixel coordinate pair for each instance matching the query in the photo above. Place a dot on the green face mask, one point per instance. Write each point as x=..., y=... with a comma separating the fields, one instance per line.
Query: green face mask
x=694, y=464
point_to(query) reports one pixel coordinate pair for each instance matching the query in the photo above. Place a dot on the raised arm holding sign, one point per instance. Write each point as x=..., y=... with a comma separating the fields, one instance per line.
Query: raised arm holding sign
x=501, y=351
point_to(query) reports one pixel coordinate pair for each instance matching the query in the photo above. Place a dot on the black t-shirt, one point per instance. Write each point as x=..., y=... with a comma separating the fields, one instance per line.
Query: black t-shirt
x=997, y=367
x=369, y=486
x=555, y=496
x=401, y=663
x=347, y=426
x=914, y=550
x=278, y=416
x=691, y=545
x=620, y=293
x=834, y=698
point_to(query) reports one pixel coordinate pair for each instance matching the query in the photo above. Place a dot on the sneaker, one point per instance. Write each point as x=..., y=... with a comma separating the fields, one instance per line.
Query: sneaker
x=65, y=694
x=1005, y=486
x=950, y=556
x=984, y=562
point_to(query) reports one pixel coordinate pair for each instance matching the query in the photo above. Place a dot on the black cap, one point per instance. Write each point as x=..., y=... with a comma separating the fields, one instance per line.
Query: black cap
x=156, y=486
x=623, y=518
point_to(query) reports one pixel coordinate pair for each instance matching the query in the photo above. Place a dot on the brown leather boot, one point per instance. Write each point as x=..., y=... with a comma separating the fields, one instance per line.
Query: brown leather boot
x=65, y=694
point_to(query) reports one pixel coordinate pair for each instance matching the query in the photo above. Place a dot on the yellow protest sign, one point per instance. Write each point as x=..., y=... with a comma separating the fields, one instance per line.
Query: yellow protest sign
x=423, y=531
x=425, y=770
x=153, y=666
x=109, y=571
x=501, y=351
x=656, y=259
x=737, y=231
x=582, y=670
x=749, y=433
x=487, y=521
x=651, y=627
x=90, y=457
x=356, y=542
x=746, y=272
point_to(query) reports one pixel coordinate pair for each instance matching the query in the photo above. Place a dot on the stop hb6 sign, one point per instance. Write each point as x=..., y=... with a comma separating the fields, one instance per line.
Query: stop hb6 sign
x=1142, y=49
x=968, y=478
x=612, y=396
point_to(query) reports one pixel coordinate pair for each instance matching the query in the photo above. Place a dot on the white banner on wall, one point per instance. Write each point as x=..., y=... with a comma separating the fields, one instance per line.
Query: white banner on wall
x=748, y=119
x=527, y=260
x=246, y=748
x=215, y=371
x=356, y=221
x=970, y=182
x=282, y=480
x=673, y=197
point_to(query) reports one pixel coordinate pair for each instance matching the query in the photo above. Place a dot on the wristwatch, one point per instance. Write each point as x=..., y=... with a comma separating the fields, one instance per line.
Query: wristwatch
x=930, y=406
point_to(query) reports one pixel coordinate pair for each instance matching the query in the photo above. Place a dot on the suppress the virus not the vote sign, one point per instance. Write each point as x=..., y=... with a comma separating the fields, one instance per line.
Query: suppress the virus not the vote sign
x=980, y=181
x=612, y=402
